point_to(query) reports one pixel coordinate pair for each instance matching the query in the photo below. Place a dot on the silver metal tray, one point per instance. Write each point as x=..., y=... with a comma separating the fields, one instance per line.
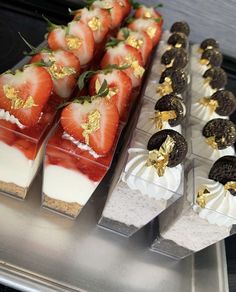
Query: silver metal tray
x=42, y=251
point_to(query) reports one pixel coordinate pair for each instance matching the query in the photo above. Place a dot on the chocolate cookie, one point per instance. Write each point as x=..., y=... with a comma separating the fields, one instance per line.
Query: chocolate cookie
x=175, y=58
x=217, y=77
x=226, y=102
x=178, y=40
x=209, y=44
x=180, y=148
x=223, y=131
x=179, y=80
x=181, y=26
x=224, y=170
x=172, y=102
x=213, y=56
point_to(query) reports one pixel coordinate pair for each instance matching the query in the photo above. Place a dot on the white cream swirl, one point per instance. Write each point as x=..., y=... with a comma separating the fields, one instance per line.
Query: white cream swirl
x=195, y=52
x=202, y=149
x=140, y=177
x=221, y=207
x=197, y=67
x=204, y=113
x=200, y=87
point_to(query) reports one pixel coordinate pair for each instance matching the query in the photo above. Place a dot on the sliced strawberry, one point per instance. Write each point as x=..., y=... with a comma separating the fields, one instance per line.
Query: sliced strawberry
x=123, y=54
x=7, y=134
x=150, y=26
x=115, y=10
x=97, y=19
x=126, y=7
x=137, y=39
x=64, y=70
x=147, y=13
x=25, y=93
x=120, y=87
x=77, y=38
x=94, y=123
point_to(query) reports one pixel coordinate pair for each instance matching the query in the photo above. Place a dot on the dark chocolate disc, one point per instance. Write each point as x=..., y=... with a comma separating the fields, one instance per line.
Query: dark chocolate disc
x=214, y=57
x=226, y=102
x=224, y=170
x=218, y=77
x=223, y=130
x=171, y=102
x=178, y=78
x=178, y=40
x=175, y=58
x=181, y=26
x=209, y=44
x=180, y=148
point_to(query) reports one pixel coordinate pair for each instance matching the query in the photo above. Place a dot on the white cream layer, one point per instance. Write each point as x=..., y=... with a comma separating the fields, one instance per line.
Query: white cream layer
x=200, y=88
x=67, y=185
x=204, y=113
x=5, y=115
x=197, y=67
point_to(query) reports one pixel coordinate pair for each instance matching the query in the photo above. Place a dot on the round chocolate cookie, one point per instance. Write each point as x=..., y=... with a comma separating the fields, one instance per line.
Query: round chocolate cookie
x=223, y=130
x=214, y=57
x=176, y=58
x=209, y=44
x=218, y=77
x=179, y=80
x=177, y=40
x=224, y=170
x=226, y=102
x=172, y=102
x=180, y=148
x=181, y=26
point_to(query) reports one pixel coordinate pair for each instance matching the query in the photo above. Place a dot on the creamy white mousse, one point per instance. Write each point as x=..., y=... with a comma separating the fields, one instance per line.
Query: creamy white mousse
x=196, y=66
x=201, y=149
x=200, y=87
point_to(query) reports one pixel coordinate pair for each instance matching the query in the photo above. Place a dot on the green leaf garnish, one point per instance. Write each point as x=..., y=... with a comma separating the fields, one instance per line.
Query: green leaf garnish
x=125, y=32
x=130, y=19
x=158, y=20
x=51, y=26
x=83, y=78
x=134, y=4
x=113, y=42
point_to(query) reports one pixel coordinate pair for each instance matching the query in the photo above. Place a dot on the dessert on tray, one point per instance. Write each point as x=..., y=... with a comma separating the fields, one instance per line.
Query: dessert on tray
x=150, y=180
x=205, y=215
x=198, y=49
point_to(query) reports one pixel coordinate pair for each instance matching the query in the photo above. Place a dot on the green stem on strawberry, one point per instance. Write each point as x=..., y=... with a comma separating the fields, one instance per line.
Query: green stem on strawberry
x=125, y=32
x=112, y=43
x=129, y=19
x=34, y=50
x=51, y=26
x=135, y=4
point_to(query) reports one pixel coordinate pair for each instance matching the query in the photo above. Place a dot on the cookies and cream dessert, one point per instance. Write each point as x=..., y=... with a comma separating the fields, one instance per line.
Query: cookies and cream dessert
x=198, y=49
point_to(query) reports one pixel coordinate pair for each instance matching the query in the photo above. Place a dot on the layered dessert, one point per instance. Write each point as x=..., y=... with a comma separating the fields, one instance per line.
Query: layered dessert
x=206, y=215
x=213, y=140
x=148, y=181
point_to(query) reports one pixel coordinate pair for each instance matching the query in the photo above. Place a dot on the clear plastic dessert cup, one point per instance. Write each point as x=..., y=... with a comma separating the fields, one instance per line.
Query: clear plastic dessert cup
x=205, y=215
x=137, y=194
x=71, y=173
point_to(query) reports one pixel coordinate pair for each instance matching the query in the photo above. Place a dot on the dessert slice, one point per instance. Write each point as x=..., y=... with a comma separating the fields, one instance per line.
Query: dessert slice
x=149, y=180
x=205, y=215
x=79, y=153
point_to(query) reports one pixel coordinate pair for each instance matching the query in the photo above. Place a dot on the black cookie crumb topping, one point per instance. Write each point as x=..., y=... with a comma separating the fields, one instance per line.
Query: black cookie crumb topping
x=181, y=26
x=226, y=102
x=178, y=40
x=223, y=131
x=178, y=78
x=172, y=102
x=209, y=44
x=214, y=57
x=179, y=151
x=217, y=76
x=224, y=170
x=176, y=58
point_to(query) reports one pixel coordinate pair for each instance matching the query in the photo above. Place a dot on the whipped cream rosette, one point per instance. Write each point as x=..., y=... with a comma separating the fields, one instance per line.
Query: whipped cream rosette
x=151, y=179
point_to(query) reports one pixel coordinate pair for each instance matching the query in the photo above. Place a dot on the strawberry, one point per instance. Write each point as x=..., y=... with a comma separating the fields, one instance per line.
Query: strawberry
x=119, y=85
x=27, y=147
x=64, y=70
x=97, y=19
x=137, y=39
x=94, y=123
x=25, y=93
x=114, y=8
x=126, y=7
x=148, y=12
x=7, y=130
x=77, y=38
x=123, y=54
x=150, y=26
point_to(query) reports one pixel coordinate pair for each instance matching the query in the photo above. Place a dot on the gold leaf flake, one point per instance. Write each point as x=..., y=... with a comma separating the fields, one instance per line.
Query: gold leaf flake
x=92, y=125
x=211, y=142
x=160, y=117
x=160, y=158
x=151, y=31
x=134, y=42
x=203, y=196
x=147, y=13
x=230, y=185
x=59, y=72
x=199, y=50
x=165, y=87
x=95, y=23
x=204, y=62
x=207, y=80
x=134, y=64
x=73, y=42
x=211, y=103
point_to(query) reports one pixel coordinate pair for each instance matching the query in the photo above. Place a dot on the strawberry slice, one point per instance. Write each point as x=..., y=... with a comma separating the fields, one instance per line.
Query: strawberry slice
x=7, y=132
x=94, y=123
x=97, y=19
x=64, y=70
x=25, y=93
x=77, y=38
x=147, y=13
x=126, y=7
x=137, y=39
x=123, y=54
x=114, y=8
x=119, y=85
x=150, y=26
